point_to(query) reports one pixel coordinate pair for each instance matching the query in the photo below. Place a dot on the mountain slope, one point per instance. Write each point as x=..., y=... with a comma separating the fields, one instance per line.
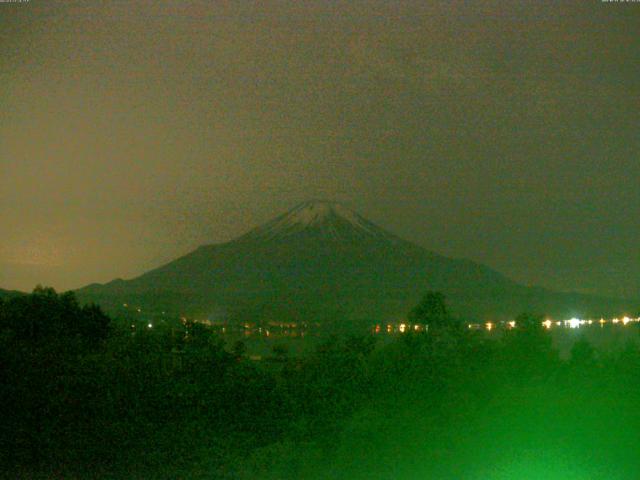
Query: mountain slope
x=321, y=261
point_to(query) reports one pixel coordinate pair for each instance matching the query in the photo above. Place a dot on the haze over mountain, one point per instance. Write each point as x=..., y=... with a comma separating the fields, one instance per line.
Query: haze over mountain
x=323, y=262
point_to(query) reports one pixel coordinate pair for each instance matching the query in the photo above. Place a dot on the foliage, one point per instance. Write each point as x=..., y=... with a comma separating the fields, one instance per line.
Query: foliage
x=177, y=402
x=432, y=310
x=45, y=314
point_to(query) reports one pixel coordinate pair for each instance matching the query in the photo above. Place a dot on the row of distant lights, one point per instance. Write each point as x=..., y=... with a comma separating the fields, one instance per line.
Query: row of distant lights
x=571, y=323
x=548, y=324
x=577, y=322
x=402, y=328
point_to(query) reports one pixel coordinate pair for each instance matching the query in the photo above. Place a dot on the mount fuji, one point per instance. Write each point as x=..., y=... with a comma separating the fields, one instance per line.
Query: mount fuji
x=323, y=262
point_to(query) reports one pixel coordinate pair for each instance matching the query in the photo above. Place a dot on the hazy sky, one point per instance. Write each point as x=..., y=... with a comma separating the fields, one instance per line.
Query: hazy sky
x=506, y=132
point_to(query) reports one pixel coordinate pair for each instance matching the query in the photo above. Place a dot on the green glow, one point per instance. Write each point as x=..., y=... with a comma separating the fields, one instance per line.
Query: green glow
x=540, y=469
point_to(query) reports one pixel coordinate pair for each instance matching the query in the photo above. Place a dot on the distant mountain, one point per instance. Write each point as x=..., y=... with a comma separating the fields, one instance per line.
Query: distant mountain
x=322, y=261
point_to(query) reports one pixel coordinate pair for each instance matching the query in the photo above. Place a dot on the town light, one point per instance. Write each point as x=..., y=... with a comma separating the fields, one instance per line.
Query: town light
x=574, y=323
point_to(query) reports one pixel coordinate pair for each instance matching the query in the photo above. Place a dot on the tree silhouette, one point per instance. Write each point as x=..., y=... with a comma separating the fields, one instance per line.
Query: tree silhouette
x=45, y=314
x=432, y=311
x=280, y=352
x=239, y=349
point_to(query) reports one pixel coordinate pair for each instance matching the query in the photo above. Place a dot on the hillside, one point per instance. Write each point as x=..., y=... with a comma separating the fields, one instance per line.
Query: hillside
x=9, y=293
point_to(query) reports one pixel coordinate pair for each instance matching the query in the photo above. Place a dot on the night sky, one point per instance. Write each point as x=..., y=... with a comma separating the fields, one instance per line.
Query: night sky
x=505, y=132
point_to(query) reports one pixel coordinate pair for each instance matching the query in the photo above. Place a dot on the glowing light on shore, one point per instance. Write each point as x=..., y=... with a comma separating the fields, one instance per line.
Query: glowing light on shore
x=547, y=324
x=625, y=320
x=574, y=322
x=489, y=326
x=512, y=324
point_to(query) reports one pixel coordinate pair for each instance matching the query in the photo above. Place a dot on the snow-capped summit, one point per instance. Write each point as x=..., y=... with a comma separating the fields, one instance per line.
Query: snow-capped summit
x=316, y=211
x=319, y=218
